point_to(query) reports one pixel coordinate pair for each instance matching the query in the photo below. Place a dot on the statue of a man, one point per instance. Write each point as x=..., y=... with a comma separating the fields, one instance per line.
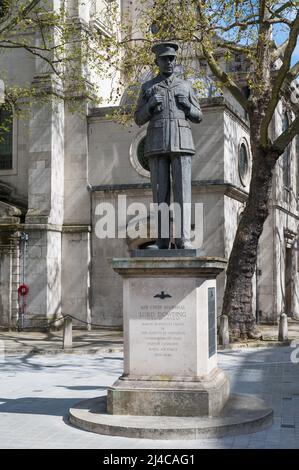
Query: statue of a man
x=168, y=103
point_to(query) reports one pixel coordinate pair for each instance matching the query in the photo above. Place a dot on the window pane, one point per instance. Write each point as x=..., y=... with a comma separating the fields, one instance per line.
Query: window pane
x=286, y=167
x=243, y=162
x=5, y=139
x=285, y=122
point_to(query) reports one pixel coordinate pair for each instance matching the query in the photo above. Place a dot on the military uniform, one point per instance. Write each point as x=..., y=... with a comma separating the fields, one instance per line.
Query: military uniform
x=169, y=143
x=169, y=129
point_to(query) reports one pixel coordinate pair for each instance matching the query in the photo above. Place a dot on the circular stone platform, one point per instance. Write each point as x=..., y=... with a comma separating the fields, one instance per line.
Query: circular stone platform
x=241, y=415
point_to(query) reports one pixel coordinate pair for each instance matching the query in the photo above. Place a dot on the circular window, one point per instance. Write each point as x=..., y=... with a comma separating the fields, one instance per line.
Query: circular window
x=143, y=160
x=243, y=163
x=138, y=160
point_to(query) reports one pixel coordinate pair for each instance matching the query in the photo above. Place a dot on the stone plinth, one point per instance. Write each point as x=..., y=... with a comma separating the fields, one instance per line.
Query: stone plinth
x=171, y=387
x=242, y=414
x=170, y=353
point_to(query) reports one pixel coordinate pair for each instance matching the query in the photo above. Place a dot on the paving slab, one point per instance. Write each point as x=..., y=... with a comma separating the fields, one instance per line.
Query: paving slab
x=36, y=392
x=51, y=342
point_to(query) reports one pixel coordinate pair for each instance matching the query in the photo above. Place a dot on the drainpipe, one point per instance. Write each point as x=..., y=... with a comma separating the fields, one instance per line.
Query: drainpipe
x=10, y=286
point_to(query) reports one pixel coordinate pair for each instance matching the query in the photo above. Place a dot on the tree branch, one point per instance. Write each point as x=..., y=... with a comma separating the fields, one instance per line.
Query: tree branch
x=282, y=8
x=22, y=14
x=32, y=50
x=227, y=81
x=294, y=72
x=11, y=44
x=279, y=145
x=233, y=47
x=219, y=73
x=279, y=20
x=41, y=29
x=237, y=24
x=279, y=80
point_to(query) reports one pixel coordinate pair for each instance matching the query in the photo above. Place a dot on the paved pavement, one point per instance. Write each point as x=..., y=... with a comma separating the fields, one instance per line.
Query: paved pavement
x=50, y=342
x=36, y=392
x=109, y=340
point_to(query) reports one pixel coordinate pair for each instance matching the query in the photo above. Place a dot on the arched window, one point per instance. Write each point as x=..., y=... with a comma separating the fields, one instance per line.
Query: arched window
x=6, y=124
x=286, y=156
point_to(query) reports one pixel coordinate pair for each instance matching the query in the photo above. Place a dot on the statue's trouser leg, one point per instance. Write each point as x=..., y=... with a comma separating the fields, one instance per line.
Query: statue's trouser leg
x=181, y=175
x=160, y=180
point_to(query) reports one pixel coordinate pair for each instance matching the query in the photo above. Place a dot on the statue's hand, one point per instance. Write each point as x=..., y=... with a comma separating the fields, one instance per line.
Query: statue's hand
x=154, y=101
x=183, y=102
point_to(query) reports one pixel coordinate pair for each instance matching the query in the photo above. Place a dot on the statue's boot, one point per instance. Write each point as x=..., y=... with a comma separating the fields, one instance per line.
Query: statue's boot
x=159, y=245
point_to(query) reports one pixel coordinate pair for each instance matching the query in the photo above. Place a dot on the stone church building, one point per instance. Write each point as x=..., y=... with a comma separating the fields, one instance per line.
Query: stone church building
x=57, y=166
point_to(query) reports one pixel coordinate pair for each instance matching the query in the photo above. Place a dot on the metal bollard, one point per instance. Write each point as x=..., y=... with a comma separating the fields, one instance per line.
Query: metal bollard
x=67, y=333
x=224, y=330
x=283, y=328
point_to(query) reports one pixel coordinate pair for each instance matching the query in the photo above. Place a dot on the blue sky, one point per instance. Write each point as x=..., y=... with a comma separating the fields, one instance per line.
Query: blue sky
x=281, y=36
x=295, y=56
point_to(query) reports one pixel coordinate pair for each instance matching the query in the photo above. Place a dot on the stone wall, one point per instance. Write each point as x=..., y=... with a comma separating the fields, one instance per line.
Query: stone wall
x=76, y=268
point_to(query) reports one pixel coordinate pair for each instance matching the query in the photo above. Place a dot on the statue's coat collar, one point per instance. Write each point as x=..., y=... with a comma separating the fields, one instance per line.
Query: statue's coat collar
x=160, y=81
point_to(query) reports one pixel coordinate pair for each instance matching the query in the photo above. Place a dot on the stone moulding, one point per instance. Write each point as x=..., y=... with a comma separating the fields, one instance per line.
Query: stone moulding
x=187, y=267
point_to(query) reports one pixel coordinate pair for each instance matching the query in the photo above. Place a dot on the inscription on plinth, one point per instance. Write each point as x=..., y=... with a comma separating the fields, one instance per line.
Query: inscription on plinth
x=163, y=328
x=162, y=325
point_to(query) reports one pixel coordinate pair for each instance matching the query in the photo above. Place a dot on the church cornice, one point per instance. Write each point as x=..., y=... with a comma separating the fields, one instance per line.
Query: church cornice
x=228, y=189
x=218, y=102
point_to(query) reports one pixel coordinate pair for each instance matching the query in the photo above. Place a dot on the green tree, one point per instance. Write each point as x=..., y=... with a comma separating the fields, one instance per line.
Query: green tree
x=80, y=55
x=68, y=46
x=218, y=31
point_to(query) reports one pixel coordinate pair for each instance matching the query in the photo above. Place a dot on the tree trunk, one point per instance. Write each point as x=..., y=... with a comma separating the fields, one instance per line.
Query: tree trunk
x=237, y=302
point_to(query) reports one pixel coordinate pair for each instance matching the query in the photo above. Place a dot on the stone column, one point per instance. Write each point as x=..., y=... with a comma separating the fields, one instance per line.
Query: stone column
x=9, y=263
x=45, y=203
x=76, y=228
x=15, y=278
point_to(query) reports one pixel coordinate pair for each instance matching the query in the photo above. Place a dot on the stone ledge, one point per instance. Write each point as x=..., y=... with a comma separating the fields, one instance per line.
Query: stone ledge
x=76, y=228
x=165, y=253
x=254, y=344
x=204, y=397
x=174, y=266
x=44, y=227
x=242, y=414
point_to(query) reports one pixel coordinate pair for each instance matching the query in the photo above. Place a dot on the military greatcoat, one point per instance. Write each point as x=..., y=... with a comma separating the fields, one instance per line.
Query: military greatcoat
x=169, y=129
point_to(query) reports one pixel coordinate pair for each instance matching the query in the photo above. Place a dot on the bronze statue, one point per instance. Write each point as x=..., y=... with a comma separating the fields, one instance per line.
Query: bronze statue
x=168, y=103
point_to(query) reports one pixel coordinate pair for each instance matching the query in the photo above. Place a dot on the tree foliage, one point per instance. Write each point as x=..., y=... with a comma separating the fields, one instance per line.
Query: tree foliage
x=218, y=31
x=224, y=33
x=68, y=47
x=81, y=54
